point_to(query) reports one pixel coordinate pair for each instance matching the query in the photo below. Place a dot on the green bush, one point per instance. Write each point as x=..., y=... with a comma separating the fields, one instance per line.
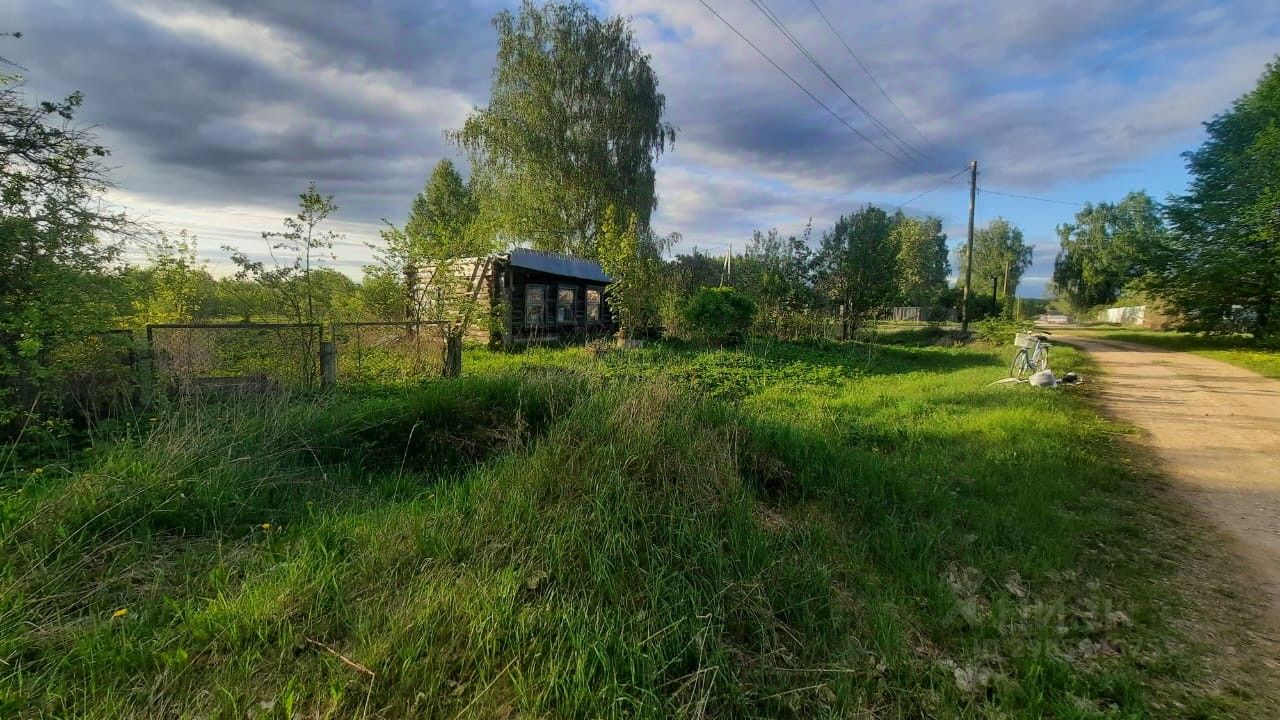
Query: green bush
x=999, y=331
x=720, y=315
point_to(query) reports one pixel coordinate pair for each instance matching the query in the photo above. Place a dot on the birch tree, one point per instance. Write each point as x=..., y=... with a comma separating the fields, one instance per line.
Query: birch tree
x=573, y=126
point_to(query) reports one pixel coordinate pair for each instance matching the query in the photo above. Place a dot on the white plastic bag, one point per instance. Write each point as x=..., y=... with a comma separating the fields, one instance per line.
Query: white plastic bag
x=1043, y=379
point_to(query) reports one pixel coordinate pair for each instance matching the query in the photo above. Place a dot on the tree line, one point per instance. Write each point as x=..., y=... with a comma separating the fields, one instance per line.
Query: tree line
x=1208, y=258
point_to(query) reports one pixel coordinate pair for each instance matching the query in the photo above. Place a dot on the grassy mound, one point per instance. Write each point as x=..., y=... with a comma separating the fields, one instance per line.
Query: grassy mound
x=881, y=539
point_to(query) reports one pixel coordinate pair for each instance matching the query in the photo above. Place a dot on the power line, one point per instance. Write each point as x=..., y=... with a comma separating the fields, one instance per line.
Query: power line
x=926, y=192
x=903, y=146
x=779, y=25
x=867, y=70
x=795, y=82
x=1031, y=197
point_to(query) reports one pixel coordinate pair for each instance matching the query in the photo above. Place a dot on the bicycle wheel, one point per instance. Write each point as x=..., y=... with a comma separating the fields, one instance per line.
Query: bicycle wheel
x=1020, y=364
x=1041, y=360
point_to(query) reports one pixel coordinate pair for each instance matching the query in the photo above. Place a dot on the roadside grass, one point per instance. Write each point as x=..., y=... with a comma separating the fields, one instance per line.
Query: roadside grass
x=781, y=530
x=1240, y=351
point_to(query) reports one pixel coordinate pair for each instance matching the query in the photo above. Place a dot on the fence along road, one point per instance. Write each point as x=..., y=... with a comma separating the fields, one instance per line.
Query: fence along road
x=1217, y=429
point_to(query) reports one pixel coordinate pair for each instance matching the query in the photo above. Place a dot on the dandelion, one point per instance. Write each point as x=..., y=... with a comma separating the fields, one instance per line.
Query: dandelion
x=265, y=526
x=120, y=613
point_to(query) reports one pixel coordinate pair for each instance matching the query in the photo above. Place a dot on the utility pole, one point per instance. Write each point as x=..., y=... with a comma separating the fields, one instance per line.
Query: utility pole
x=968, y=258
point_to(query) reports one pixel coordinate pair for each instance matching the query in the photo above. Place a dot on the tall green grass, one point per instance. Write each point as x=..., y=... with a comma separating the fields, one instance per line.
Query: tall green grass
x=778, y=531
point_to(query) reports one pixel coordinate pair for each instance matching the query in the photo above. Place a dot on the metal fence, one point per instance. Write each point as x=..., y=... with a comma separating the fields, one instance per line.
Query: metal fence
x=388, y=352
x=257, y=357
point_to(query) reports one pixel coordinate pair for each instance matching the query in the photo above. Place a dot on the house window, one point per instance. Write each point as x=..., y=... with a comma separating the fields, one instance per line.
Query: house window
x=593, y=305
x=566, y=305
x=535, y=305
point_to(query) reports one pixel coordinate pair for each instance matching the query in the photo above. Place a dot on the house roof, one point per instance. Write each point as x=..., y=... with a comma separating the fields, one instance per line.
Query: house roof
x=556, y=264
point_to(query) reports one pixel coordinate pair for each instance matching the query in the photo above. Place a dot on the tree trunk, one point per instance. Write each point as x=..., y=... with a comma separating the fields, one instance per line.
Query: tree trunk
x=452, y=356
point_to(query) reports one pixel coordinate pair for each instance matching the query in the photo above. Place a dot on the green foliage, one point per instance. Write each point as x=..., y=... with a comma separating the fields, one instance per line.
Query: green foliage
x=858, y=264
x=441, y=219
x=1103, y=251
x=575, y=535
x=290, y=280
x=1000, y=253
x=56, y=245
x=573, y=126
x=922, y=261
x=632, y=260
x=1220, y=267
x=777, y=274
x=434, y=258
x=720, y=315
x=998, y=330
x=384, y=294
x=174, y=287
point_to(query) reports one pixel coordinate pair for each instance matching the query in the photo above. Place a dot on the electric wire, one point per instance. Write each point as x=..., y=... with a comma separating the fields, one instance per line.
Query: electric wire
x=1030, y=197
x=926, y=192
x=903, y=146
x=867, y=70
x=797, y=83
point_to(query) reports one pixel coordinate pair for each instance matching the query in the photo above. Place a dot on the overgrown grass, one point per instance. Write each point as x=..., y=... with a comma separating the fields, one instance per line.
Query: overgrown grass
x=777, y=531
x=1240, y=351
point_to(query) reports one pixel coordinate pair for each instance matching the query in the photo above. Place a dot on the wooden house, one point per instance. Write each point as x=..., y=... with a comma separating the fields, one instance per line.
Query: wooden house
x=524, y=296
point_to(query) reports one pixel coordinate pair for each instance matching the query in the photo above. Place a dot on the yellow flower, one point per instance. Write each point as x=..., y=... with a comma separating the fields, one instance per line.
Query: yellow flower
x=38, y=471
x=265, y=526
x=120, y=613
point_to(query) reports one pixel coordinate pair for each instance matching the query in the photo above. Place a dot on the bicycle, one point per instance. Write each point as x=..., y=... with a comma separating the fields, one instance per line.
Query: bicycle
x=1032, y=355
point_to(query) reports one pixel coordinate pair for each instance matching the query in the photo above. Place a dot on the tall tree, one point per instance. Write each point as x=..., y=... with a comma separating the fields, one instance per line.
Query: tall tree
x=1220, y=269
x=440, y=253
x=442, y=228
x=574, y=125
x=1000, y=253
x=57, y=238
x=922, y=260
x=779, y=270
x=858, y=264
x=442, y=214
x=1103, y=252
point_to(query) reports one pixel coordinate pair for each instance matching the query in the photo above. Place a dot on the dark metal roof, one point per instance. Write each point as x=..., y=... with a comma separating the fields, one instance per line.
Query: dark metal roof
x=556, y=264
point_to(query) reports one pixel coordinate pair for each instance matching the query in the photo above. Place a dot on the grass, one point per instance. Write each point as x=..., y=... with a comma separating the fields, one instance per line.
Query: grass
x=1237, y=350
x=782, y=530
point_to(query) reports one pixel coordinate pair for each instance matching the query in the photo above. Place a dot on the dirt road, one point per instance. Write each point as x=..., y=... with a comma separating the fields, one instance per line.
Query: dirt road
x=1217, y=428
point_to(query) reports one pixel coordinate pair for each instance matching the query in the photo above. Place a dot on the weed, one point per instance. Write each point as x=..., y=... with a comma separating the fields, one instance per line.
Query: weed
x=861, y=529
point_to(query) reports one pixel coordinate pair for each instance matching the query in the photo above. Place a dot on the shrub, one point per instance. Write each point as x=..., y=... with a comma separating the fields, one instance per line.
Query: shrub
x=720, y=315
x=999, y=331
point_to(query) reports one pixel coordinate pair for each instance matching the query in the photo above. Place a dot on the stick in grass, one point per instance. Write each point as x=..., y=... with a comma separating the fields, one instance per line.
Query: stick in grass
x=345, y=660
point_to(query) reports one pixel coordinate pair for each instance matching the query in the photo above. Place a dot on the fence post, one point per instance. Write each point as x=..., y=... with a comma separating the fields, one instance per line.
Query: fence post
x=328, y=363
x=452, y=355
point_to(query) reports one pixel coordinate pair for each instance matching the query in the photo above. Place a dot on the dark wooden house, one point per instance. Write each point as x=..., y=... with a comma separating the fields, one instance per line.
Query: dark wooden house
x=536, y=296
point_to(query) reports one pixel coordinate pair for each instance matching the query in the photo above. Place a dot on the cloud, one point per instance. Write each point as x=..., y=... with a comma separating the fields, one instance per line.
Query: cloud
x=231, y=106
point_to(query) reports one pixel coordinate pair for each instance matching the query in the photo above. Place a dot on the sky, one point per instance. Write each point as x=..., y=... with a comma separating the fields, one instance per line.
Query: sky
x=219, y=112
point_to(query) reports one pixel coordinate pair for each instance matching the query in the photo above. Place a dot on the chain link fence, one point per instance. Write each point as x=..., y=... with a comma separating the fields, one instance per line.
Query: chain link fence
x=257, y=358
x=381, y=353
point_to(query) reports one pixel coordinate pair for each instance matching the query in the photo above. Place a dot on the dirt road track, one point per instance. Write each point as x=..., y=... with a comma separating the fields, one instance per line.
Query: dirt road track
x=1217, y=429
